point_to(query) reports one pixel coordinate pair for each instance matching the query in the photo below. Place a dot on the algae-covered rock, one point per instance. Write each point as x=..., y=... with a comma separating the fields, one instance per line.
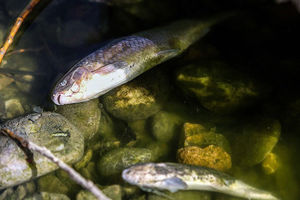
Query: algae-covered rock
x=50, y=130
x=198, y=135
x=182, y=195
x=47, y=196
x=86, y=116
x=270, y=164
x=140, y=130
x=212, y=156
x=217, y=87
x=257, y=139
x=50, y=183
x=160, y=150
x=137, y=99
x=113, y=191
x=116, y=160
x=165, y=126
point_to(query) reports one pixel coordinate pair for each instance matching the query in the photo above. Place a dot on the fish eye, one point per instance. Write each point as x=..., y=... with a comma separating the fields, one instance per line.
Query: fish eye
x=75, y=88
x=63, y=83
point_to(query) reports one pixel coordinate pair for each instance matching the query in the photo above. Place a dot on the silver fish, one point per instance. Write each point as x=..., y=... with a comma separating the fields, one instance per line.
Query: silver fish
x=154, y=177
x=125, y=58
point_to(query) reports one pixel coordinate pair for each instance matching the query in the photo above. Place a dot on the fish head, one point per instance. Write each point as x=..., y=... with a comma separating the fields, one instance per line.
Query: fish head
x=153, y=176
x=71, y=88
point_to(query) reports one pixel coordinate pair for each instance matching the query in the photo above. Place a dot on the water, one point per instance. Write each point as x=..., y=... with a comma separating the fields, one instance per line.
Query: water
x=257, y=48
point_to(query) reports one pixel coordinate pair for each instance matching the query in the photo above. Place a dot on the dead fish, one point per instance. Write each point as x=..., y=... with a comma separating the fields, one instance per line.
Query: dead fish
x=153, y=177
x=125, y=58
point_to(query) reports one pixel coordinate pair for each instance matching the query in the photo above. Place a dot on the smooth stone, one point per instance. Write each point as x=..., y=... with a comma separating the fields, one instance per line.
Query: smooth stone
x=47, y=129
x=5, y=81
x=113, y=191
x=50, y=183
x=85, y=116
x=270, y=164
x=115, y=161
x=138, y=99
x=257, y=139
x=165, y=126
x=217, y=87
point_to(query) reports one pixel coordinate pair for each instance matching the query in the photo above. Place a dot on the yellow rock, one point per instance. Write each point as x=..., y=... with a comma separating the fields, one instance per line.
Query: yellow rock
x=270, y=163
x=212, y=156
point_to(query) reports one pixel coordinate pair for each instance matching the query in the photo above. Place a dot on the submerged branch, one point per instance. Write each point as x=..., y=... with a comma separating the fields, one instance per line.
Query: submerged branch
x=16, y=27
x=30, y=146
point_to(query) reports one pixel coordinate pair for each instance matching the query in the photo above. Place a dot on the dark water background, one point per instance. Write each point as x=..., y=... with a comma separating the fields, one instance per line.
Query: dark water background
x=263, y=42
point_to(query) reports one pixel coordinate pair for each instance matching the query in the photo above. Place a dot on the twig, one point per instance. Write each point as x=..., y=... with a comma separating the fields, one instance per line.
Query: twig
x=9, y=53
x=87, y=184
x=16, y=27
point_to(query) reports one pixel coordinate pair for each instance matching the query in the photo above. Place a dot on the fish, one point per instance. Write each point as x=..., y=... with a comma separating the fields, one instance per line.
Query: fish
x=125, y=58
x=155, y=177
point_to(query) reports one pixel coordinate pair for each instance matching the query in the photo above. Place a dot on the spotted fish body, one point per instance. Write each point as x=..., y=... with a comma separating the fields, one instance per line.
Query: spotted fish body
x=174, y=177
x=125, y=58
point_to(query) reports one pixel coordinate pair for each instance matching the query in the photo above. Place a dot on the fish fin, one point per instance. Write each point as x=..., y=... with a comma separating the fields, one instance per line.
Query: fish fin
x=110, y=67
x=173, y=184
x=169, y=52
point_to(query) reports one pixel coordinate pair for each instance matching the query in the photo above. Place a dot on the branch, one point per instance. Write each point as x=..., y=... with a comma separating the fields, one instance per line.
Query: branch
x=16, y=27
x=87, y=184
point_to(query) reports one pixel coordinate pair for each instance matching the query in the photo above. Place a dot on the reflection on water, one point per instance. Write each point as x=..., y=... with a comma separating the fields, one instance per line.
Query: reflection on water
x=230, y=102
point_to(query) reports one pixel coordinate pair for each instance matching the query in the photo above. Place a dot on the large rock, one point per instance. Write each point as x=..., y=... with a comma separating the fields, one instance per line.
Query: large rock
x=50, y=130
x=117, y=160
x=85, y=116
x=137, y=99
x=217, y=87
x=256, y=141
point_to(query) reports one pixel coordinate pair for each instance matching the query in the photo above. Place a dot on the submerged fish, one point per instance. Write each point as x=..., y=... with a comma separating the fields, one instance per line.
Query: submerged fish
x=125, y=58
x=153, y=177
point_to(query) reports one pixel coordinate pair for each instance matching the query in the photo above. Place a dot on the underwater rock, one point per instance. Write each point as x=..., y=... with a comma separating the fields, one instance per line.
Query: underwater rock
x=218, y=88
x=160, y=150
x=47, y=129
x=198, y=135
x=165, y=126
x=50, y=183
x=5, y=81
x=107, y=127
x=256, y=141
x=13, y=102
x=47, y=196
x=85, y=116
x=270, y=164
x=113, y=191
x=182, y=195
x=212, y=156
x=116, y=160
x=138, y=99
x=140, y=130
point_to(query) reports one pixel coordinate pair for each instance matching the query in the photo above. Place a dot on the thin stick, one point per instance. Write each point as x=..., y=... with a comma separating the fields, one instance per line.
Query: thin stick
x=16, y=27
x=87, y=184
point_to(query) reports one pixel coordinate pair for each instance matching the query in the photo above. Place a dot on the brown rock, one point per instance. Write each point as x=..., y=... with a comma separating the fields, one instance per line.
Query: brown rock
x=212, y=156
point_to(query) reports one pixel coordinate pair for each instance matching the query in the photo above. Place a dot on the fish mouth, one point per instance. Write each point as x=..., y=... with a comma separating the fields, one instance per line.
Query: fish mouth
x=57, y=99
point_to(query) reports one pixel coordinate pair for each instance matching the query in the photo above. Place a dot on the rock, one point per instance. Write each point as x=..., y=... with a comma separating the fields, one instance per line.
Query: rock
x=160, y=150
x=113, y=191
x=212, y=156
x=182, y=195
x=138, y=99
x=13, y=108
x=50, y=183
x=46, y=129
x=165, y=126
x=115, y=161
x=257, y=140
x=270, y=164
x=19, y=192
x=13, y=102
x=107, y=127
x=47, y=196
x=198, y=135
x=218, y=88
x=86, y=116
x=140, y=130
x=5, y=80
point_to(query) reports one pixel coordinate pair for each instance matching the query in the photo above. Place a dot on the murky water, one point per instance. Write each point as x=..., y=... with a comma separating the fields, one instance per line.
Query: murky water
x=229, y=102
